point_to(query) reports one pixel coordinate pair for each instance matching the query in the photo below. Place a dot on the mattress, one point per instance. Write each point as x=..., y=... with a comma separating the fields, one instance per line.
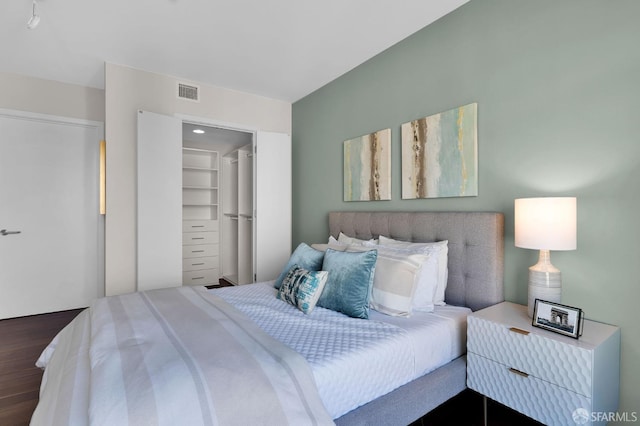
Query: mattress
x=353, y=360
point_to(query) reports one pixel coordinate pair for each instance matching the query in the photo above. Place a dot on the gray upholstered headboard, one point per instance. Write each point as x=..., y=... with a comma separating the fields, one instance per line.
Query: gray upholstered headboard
x=476, y=246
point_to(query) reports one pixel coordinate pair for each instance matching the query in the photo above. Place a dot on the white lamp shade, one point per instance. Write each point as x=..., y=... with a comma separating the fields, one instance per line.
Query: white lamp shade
x=546, y=223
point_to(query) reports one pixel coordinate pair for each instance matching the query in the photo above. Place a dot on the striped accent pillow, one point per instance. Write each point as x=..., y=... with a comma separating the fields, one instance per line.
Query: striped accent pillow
x=436, y=269
x=395, y=281
x=302, y=288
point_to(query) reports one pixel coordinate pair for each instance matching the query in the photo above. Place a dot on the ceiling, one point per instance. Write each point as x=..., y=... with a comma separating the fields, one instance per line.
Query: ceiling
x=282, y=49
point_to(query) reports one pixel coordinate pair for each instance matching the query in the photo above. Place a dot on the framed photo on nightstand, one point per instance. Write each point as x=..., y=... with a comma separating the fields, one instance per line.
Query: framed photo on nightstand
x=558, y=318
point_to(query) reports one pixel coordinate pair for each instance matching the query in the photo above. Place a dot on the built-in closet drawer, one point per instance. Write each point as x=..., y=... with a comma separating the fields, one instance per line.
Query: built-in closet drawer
x=198, y=263
x=202, y=250
x=204, y=277
x=199, y=238
x=199, y=225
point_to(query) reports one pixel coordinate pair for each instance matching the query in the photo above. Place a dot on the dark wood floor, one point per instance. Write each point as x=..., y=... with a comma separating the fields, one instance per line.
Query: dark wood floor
x=21, y=342
x=23, y=339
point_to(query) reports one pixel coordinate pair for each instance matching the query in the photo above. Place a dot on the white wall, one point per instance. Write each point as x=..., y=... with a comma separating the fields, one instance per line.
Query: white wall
x=128, y=90
x=30, y=94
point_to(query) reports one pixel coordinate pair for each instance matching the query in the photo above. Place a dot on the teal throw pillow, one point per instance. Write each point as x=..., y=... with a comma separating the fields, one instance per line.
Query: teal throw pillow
x=348, y=286
x=302, y=288
x=305, y=257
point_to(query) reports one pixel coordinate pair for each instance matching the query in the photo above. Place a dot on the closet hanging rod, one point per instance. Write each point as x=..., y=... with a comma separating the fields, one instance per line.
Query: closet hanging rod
x=185, y=148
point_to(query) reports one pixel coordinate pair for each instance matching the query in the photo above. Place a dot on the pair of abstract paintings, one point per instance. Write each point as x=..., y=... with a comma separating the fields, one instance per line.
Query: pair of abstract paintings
x=439, y=159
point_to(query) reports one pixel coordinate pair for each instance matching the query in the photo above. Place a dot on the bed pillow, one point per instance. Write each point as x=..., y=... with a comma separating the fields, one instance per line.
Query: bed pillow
x=324, y=247
x=437, y=266
x=346, y=240
x=302, y=288
x=303, y=256
x=348, y=286
x=425, y=296
x=395, y=280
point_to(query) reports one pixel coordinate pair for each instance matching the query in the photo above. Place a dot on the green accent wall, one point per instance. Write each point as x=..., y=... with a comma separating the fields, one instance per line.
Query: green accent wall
x=557, y=85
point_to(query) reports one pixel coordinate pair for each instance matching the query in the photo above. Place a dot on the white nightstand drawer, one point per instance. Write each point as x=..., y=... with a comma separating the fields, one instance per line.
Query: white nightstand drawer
x=547, y=358
x=199, y=238
x=204, y=277
x=203, y=250
x=199, y=225
x=198, y=263
x=538, y=399
x=561, y=374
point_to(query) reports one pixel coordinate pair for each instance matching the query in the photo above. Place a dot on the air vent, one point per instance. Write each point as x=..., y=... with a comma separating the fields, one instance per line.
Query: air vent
x=188, y=92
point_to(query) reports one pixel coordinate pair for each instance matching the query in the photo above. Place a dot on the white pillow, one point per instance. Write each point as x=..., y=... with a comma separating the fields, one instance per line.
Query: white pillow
x=335, y=245
x=347, y=240
x=439, y=268
x=395, y=280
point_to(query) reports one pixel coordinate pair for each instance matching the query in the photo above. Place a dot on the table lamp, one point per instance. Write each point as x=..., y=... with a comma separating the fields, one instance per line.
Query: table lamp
x=545, y=224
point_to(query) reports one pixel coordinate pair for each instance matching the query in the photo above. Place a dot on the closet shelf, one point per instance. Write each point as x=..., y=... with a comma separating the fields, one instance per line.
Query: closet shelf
x=198, y=205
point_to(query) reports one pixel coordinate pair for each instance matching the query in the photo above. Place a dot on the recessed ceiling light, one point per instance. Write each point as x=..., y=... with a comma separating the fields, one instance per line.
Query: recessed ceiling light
x=198, y=131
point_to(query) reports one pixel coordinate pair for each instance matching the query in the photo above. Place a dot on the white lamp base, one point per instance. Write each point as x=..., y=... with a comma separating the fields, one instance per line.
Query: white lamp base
x=545, y=282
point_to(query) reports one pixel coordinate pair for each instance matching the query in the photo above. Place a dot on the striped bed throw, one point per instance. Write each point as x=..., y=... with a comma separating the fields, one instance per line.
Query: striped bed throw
x=185, y=356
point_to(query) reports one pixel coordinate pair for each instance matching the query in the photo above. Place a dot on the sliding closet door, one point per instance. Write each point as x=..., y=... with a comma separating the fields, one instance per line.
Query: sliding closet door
x=159, y=201
x=272, y=223
x=51, y=231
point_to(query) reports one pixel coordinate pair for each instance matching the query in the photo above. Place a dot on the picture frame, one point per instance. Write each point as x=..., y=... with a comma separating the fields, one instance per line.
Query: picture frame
x=440, y=154
x=367, y=167
x=561, y=319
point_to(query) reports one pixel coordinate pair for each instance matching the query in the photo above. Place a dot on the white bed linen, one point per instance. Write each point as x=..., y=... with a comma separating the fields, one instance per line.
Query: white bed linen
x=355, y=361
x=344, y=380
x=144, y=358
x=64, y=390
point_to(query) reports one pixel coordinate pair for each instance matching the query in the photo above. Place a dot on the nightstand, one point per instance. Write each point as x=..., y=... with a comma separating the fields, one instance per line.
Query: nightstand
x=551, y=378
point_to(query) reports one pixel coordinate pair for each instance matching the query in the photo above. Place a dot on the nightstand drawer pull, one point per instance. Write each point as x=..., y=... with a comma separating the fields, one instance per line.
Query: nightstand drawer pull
x=518, y=372
x=519, y=330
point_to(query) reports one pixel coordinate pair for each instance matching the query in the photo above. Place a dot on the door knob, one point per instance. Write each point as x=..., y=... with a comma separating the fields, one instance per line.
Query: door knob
x=4, y=232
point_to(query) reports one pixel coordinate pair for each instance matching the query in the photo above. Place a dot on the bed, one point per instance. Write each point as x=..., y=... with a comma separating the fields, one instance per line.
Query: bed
x=475, y=280
x=475, y=271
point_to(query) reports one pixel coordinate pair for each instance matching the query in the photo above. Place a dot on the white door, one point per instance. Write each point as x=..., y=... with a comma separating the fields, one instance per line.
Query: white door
x=272, y=217
x=52, y=246
x=159, y=201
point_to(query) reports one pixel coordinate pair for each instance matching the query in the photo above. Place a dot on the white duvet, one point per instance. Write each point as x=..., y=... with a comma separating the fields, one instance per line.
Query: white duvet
x=353, y=360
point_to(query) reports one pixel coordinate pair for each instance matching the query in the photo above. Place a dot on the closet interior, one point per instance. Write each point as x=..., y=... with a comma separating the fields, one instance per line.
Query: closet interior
x=217, y=205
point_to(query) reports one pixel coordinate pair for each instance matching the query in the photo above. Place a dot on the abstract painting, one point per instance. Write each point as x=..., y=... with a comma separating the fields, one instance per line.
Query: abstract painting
x=367, y=167
x=440, y=155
